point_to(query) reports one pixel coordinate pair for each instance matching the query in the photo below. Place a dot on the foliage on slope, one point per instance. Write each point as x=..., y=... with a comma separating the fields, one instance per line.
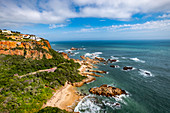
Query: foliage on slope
x=27, y=94
x=52, y=110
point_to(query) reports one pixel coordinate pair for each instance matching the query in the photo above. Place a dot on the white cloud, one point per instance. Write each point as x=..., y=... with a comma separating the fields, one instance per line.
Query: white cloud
x=164, y=16
x=149, y=26
x=120, y=9
x=52, y=26
x=58, y=11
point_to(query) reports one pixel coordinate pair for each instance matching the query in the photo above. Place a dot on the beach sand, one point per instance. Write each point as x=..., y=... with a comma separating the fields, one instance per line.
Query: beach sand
x=64, y=98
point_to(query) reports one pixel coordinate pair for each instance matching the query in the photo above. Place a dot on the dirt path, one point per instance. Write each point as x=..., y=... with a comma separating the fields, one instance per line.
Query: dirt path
x=33, y=73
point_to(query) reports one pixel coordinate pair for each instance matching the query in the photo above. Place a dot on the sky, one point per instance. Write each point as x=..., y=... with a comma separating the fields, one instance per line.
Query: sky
x=67, y=20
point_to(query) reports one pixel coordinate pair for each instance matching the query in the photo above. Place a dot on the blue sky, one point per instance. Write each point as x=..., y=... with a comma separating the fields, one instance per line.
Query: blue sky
x=60, y=20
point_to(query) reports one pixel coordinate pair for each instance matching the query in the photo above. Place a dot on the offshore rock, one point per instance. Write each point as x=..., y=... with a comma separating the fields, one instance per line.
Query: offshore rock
x=74, y=48
x=127, y=68
x=112, y=60
x=107, y=91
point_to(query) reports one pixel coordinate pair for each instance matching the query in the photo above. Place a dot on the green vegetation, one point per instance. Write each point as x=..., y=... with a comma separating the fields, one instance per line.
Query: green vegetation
x=29, y=93
x=3, y=37
x=52, y=110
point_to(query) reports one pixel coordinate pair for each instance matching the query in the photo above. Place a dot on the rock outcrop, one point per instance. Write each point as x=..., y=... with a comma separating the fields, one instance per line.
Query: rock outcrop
x=107, y=91
x=74, y=48
x=127, y=68
x=83, y=57
x=97, y=71
x=100, y=59
x=65, y=55
x=84, y=81
x=92, y=74
x=29, y=49
x=114, y=66
x=48, y=44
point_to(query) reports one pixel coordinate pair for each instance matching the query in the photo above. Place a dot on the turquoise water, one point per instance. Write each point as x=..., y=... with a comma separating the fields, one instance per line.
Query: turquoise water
x=146, y=93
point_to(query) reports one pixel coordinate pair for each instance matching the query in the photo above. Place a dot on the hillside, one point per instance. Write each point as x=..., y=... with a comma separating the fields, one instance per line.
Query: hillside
x=28, y=93
x=17, y=44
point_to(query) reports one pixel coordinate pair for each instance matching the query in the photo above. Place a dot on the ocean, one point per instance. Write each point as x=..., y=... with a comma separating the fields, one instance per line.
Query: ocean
x=148, y=84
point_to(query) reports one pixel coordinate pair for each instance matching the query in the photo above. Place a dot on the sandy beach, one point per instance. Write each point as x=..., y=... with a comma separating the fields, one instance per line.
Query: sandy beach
x=64, y=98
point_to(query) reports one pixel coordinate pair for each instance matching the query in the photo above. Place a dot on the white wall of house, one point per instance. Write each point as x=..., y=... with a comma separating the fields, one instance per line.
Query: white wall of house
x=6, y=31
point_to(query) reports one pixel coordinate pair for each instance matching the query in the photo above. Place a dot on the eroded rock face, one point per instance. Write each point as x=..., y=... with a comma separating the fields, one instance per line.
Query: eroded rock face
x=65, y=55
x=12, y=52
x=107, y=91
x=83, y=57
x=48, y=44
x=27, y=49
x=127, y=68
x=100, y=59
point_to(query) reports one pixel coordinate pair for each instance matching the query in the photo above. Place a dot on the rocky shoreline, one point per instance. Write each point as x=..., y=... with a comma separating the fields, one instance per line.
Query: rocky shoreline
x=86, y=69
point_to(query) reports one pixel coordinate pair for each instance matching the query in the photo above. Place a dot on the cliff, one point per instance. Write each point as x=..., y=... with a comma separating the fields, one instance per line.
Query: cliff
x=29, y=49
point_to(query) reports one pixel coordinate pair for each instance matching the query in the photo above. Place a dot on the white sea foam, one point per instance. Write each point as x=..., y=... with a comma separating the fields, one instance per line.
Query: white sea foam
x=137, y=60
x=60, y=51
x=75, y=53
x=145, y=72
x=123, y=57
x=68, y=50
x=93, y=55
x=87, y=104
x=116, y=66
x=113, y=57
x=120, y=98
x=94, y=104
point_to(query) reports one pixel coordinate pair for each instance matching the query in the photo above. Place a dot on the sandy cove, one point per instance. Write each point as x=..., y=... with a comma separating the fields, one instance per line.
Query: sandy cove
x=64, y=98
x=67, y=96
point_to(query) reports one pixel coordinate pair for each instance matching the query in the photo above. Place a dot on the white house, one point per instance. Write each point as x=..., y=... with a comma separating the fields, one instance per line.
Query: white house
x=26, y=36
x=33, y=37
x=38, y=38
x=6, y=31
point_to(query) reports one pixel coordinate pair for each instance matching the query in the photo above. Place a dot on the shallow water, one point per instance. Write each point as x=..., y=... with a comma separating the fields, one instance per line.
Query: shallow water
x=148, y=93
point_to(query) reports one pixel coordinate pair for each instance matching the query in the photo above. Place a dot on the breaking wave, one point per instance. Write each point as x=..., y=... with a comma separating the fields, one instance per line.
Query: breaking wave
x=93, y=55
x=113, y=57
x=93, y=104
x=137, y=60
x=145, y=72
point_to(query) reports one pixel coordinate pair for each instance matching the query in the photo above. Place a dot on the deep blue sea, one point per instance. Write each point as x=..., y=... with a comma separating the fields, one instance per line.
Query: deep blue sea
x=147, y=93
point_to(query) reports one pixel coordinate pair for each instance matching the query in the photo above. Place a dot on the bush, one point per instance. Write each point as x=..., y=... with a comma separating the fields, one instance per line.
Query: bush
x=52, y=110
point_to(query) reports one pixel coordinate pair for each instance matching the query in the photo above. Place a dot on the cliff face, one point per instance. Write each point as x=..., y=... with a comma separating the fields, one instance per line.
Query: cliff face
x=30, y=49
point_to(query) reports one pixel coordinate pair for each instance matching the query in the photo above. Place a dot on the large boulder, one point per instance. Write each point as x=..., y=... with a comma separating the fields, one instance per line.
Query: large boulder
x=107, y=91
